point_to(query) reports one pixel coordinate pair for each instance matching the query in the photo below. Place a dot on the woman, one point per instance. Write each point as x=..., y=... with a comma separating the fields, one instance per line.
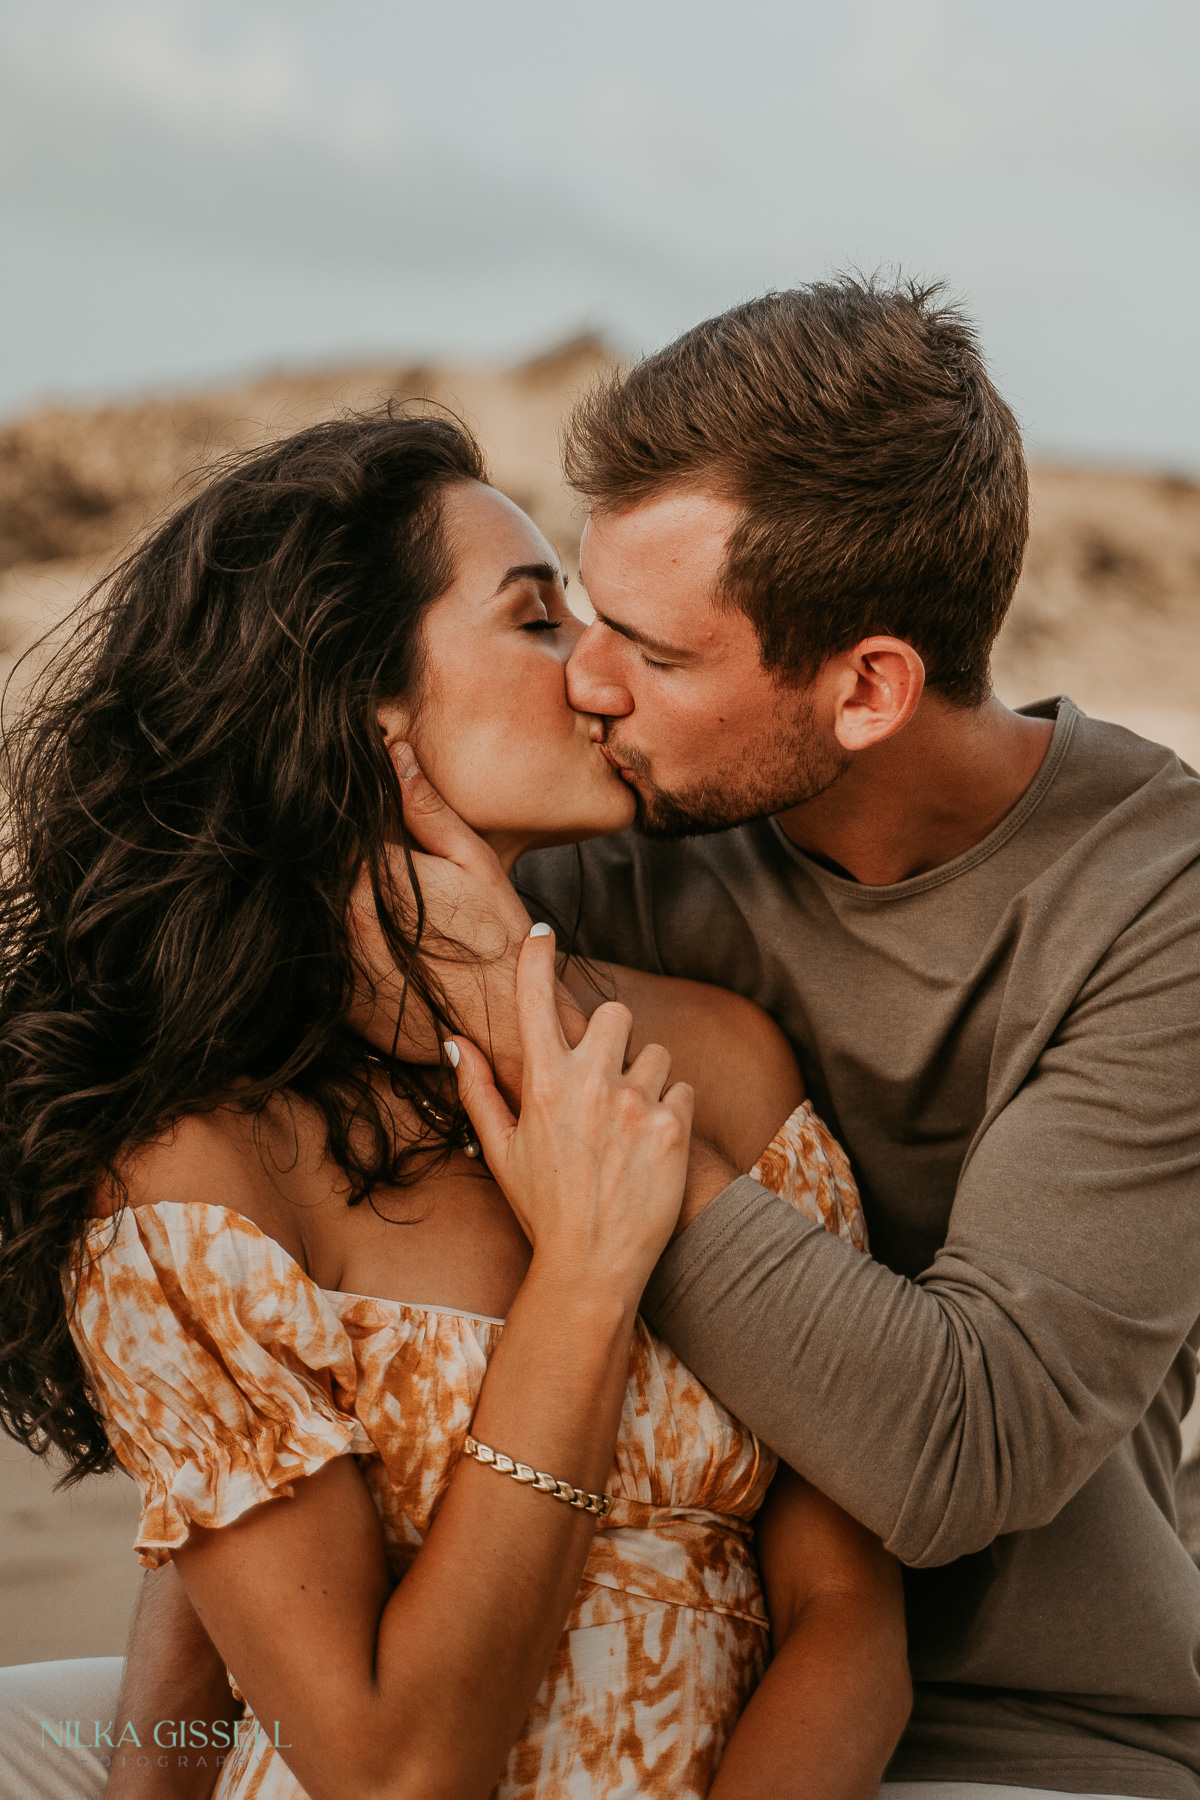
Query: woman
x=286, y=1266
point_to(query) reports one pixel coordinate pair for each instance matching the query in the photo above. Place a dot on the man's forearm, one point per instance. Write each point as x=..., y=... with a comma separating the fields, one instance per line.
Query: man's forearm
x=940, y=1414
x=789, y=1327
x=172, y=1673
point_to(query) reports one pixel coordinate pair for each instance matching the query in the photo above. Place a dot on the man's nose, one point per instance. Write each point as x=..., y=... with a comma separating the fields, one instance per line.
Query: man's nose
x=594, y=683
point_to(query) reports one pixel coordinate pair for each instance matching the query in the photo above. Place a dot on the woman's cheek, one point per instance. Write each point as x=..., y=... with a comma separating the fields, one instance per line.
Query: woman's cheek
x=532, y=709
x=513, y=771
x=503, y=746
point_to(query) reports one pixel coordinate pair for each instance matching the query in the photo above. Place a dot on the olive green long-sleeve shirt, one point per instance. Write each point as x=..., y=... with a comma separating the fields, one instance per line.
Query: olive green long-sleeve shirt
x=1009, y=1048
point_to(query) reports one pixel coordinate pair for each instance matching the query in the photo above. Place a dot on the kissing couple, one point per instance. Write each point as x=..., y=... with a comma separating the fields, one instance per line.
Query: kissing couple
x=626, y=1193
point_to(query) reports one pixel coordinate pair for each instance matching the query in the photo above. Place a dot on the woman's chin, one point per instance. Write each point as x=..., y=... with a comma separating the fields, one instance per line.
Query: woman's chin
x=514, y=838
x=615, y=813
x=548, y=813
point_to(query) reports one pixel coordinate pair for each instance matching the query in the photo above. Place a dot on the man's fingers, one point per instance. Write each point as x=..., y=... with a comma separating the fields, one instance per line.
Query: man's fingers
x=542, y=1040
x=482, y=1101
x=436, y=826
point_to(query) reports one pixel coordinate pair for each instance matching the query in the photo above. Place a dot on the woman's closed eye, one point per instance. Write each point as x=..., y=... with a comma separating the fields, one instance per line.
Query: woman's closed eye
x=544, y=625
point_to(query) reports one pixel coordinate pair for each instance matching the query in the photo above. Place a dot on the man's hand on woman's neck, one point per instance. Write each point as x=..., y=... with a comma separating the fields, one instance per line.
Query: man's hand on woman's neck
x=921, y=798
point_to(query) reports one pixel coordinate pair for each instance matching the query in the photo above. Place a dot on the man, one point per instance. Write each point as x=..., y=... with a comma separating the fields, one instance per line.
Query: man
x=981, y=932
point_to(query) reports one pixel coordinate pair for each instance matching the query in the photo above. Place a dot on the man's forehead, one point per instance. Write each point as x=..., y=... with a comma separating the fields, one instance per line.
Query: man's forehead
x=691, y=521
x=672, y=543
x=653, y=570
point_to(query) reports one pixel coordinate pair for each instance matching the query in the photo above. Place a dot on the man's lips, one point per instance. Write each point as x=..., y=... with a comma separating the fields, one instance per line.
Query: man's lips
x=606, y=753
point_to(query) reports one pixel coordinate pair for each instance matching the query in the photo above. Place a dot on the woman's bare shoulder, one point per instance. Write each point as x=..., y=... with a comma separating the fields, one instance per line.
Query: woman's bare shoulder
x=211, y=1159
x=733, y=1054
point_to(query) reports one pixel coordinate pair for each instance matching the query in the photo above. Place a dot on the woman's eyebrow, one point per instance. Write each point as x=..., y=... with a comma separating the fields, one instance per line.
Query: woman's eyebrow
x=542, y=571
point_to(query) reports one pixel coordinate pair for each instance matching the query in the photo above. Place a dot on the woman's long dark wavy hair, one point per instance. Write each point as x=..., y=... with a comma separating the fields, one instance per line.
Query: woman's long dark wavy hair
x=194, y=788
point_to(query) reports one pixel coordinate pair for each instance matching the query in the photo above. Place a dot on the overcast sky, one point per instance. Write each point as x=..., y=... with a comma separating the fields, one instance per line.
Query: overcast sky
x=196, y=187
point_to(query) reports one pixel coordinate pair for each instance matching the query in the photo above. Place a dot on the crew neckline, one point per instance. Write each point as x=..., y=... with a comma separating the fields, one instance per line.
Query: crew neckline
x=1063, y=710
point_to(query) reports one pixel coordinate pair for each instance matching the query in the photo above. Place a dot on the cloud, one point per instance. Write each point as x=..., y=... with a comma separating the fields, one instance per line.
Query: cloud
x=150, y=56
x=940, y=76
x=139, y=118
x=165, y=60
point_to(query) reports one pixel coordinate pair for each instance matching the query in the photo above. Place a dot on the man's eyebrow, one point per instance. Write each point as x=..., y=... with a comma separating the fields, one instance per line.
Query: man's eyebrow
x=542, y=571
x=669, y=652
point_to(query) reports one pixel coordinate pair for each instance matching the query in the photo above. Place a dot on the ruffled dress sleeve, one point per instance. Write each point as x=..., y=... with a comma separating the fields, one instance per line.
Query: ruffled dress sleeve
x=223, y=1373
x=806, y=1166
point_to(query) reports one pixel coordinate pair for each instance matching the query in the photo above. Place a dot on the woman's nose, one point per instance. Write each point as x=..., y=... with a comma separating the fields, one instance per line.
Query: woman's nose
x=594, y=683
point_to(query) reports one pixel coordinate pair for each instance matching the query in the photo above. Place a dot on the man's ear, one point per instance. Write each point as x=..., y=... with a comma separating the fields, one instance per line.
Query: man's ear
x=877, y=688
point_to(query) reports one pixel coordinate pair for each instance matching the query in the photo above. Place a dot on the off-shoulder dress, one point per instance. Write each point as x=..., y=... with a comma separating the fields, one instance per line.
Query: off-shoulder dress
x=224, y=1374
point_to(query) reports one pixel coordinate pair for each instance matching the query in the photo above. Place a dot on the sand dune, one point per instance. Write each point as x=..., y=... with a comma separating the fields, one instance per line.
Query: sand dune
x=1108, y=611
x=1109, y=604
x=1108, y=608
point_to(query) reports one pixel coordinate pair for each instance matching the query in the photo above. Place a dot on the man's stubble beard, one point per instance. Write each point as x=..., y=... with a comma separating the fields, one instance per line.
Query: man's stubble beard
x=782, y=769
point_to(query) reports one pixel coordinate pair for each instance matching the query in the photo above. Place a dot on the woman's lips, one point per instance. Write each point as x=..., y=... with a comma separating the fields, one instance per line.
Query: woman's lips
x=637, y=766
x=609, y=758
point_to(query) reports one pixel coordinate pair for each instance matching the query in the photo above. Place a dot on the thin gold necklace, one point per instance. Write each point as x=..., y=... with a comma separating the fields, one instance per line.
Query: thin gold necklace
x=451, y=1122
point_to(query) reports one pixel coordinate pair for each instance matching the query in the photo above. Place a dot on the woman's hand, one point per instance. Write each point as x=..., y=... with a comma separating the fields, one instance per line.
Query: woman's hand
x=470, y=906
x=422, y=1689
x=595, y=1165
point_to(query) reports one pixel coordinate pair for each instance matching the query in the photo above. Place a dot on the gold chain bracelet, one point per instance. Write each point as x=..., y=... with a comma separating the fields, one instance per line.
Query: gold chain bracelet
x=596, y=1504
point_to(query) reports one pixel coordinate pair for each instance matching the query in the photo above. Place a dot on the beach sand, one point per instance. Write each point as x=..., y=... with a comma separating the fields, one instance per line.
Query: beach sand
x=1108, y=611
x=68, y=1578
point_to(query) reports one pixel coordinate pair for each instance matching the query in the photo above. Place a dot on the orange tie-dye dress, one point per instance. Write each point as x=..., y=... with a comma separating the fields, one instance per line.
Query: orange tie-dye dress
x=224, y=1374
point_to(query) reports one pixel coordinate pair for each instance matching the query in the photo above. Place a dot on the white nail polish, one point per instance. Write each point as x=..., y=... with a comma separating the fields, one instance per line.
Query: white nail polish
x=406, y=763
x=452, y=1056
x=542, y=931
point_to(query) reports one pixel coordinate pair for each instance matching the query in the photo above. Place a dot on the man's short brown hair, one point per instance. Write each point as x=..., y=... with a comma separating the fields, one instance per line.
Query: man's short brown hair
x=881, y=477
